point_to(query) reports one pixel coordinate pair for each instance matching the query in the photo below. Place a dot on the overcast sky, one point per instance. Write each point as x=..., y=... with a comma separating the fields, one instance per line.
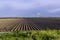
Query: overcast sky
x=29, y=8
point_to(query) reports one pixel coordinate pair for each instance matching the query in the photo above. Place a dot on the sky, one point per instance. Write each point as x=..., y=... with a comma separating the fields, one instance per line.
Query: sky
x=29, y=8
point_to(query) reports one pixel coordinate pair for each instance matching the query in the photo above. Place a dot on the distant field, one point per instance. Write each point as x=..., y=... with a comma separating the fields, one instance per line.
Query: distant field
x=28, y=24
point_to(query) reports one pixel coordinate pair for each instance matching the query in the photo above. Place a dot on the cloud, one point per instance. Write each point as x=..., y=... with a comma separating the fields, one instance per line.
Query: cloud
x=55, y=10
x=18, y=4
x=26, y=7
x=26, y=4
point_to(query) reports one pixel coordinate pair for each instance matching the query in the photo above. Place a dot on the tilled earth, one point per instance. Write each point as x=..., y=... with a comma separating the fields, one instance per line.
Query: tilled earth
x=28, y=24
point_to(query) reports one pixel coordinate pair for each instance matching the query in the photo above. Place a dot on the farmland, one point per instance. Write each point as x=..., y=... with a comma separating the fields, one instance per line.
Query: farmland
x=29, y=28
x=28, y=24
